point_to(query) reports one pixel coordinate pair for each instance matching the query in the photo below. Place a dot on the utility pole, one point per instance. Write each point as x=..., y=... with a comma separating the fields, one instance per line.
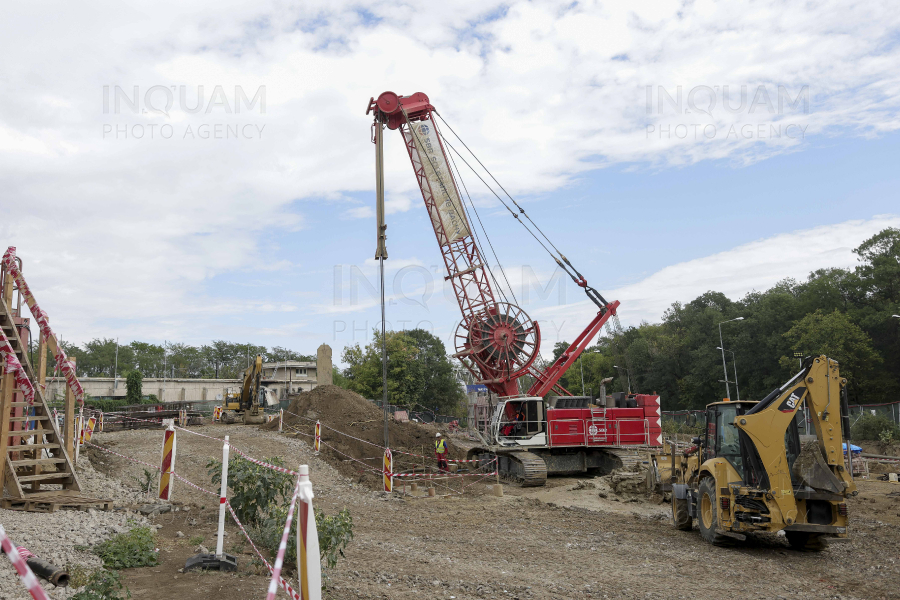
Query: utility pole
x=627, y=377
x=116, y=368
x=381, y=255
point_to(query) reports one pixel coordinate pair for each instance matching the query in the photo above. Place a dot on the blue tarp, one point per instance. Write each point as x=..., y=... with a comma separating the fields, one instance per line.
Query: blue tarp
x=853, y=448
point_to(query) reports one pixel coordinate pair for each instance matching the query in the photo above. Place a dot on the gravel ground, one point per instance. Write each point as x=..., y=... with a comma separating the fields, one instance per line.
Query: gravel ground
x=54, y=536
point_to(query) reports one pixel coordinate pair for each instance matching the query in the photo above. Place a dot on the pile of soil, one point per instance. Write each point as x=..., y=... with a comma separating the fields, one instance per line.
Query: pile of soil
x=346, y=412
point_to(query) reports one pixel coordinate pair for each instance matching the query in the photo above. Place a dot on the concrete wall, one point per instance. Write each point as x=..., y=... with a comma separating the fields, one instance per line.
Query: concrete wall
x=168, y=390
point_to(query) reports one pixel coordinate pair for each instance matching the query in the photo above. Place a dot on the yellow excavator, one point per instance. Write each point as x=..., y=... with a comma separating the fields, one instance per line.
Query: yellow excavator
x=749, y=471
x=245, y=402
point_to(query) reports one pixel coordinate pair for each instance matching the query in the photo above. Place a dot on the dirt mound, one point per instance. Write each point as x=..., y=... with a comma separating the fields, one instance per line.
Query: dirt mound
x=353, y=428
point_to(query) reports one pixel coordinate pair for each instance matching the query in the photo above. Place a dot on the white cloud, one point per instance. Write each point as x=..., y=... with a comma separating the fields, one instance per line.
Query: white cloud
x=543, y=91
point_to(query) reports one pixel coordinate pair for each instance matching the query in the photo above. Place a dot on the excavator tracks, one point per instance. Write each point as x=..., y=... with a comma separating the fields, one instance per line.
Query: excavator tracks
x=516, y=466
x=628, y=457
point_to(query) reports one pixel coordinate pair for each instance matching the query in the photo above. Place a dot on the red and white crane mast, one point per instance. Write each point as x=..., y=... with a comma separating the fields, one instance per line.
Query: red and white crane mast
x=495, y=340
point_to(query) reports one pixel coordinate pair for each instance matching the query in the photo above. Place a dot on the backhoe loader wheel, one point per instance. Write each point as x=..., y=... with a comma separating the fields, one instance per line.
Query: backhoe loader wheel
x=680, y=516
x=709, y=515
x=805, y=541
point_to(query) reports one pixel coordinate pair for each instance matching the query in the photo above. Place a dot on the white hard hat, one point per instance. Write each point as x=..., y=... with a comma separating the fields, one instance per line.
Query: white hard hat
x=438, y=434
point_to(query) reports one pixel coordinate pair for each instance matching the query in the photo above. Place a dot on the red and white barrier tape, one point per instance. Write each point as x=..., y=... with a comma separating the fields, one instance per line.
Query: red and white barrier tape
x=282, y=547
x=453, y=460
x=30, y=582
x=264, y=464
x=12, y=269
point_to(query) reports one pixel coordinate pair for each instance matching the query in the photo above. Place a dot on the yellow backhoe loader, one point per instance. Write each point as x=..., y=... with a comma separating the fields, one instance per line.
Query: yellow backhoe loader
x=245, y=402
x=749, y=471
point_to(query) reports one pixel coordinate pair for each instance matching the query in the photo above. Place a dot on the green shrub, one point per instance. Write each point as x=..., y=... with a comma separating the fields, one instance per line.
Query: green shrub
x=260, y=498
x=334, y=532
x=103, y=585
x=127, y=550
x=872, y=428
x=254, y=487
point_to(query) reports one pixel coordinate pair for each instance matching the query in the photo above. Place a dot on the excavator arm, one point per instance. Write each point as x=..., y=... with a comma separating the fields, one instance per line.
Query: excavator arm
x=820, y=385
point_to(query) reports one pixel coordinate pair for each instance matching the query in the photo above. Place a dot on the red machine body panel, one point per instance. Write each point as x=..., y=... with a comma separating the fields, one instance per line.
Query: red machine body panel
x=587, y=427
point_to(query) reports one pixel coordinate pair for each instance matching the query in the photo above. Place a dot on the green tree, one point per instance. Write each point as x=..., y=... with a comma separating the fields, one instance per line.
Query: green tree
x=836, y=336
x=419, y=371
x=133, y=387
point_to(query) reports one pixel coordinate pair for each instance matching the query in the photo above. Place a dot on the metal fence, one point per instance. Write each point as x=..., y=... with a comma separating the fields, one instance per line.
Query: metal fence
x=422, y=415
x=684, y=421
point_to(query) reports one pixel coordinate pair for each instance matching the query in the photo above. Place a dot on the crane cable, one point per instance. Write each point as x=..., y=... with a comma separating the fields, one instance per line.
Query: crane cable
x=576, y=276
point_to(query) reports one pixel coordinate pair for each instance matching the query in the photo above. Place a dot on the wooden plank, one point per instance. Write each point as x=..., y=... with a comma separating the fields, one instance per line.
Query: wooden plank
x=7, y=386
x=27, y=462
x=69, y=443
x=42, y=363
x=30, y=447
x=44, y=476
x=31, y=418
x=29, y=432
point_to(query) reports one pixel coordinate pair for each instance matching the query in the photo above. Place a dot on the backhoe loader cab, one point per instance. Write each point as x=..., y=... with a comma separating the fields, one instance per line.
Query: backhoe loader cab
x=749, y=472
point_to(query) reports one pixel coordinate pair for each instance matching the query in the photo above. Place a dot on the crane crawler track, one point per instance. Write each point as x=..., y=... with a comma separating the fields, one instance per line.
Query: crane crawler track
x=516, y=466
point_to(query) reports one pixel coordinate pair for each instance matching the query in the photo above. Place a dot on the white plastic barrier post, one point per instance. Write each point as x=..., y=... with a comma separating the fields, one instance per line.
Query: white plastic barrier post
x=309, y=564
x=280, y=420
x=220, y=541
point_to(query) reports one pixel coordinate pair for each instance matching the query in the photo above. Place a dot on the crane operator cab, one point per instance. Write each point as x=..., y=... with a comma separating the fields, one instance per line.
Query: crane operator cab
x=519, y=421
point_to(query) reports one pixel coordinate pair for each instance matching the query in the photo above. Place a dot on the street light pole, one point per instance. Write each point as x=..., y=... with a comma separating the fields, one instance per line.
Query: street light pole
x=722, y=347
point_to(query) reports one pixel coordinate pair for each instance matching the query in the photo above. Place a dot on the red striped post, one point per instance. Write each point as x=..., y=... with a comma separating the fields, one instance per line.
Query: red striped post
x=167, y=469
x=318, y=436
x=388, y=475
x=100, y=423
x=88, y=431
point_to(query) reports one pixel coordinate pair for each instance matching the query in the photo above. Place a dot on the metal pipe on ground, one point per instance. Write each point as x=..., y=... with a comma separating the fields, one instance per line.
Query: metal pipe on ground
x=58, y=576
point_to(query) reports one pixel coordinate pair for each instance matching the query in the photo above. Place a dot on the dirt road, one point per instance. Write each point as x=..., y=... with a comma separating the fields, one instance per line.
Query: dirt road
x=553, y=542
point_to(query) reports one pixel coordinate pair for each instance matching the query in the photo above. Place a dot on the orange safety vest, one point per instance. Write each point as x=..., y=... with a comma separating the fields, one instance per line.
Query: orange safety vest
x=440, y=446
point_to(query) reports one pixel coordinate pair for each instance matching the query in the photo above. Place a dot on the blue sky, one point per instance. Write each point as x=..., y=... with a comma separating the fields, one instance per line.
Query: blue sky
x=203, y=234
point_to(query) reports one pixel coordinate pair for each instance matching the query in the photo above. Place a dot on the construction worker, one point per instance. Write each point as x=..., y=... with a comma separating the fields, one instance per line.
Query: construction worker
x=440, y=451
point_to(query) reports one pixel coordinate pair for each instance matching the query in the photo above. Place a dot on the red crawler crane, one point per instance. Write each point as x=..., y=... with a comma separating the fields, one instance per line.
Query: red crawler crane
x=496, y=340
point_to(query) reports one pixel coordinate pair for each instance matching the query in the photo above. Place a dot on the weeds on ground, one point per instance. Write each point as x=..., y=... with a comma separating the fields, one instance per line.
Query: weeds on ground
x=103, y=585
x=78, y=576
x=145, y=483
x=196, y=540
x=127, y=550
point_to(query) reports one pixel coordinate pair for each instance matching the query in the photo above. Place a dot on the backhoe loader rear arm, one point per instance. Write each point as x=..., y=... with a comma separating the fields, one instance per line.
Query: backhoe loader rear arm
x=820, y=385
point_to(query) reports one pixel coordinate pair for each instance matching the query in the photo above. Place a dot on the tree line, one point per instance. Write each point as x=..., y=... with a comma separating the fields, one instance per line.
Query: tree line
x=846, y=314
x=419, y=372
x=217, y=360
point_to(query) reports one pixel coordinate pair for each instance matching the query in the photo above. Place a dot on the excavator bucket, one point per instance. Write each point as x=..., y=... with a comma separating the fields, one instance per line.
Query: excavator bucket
x=811, y=469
